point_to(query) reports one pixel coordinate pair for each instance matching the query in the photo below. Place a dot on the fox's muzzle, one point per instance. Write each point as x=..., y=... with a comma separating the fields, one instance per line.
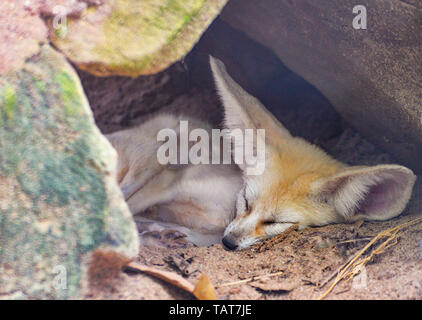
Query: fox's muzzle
x=229, y=243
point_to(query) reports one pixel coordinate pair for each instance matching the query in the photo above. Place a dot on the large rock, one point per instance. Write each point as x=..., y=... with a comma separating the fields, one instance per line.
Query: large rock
x=373, y=77
x=132, y=37
x=64, y=225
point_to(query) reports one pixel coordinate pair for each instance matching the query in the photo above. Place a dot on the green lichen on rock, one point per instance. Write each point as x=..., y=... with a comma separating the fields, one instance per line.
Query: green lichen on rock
x=9, y=101
x=131, y=37
x=59, y=201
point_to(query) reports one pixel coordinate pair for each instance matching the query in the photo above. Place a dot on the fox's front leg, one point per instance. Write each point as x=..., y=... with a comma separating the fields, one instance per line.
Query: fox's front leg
x=172, y=234
x=149, y=189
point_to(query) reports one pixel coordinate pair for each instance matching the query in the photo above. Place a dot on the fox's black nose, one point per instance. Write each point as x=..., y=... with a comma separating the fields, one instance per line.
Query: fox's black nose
x=229, y=243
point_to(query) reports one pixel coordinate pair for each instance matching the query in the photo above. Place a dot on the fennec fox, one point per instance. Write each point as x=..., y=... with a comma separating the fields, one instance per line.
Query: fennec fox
x=196, y=200
x=301, y=184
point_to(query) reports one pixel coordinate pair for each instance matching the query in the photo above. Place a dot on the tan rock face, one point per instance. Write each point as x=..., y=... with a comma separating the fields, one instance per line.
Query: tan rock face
x=22, y=26
x=21, y=30
x=373, y=77
x=131, y=37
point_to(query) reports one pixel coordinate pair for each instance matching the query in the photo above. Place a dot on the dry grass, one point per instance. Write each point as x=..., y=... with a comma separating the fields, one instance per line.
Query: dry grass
x=356, y=264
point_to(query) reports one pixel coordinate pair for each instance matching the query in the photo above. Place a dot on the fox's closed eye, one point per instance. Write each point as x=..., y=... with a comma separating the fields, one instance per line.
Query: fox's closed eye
x=268, y=222
x=246, y=204
x=243, y=201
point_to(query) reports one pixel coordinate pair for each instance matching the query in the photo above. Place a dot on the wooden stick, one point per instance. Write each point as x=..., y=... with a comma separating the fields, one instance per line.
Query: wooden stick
x=203, y=290
x=167, y=276
x=249, y=279
x=354, y=240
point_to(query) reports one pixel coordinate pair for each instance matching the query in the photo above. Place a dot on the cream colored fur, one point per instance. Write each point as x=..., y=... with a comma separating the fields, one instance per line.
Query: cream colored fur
x=301, y=184
x=197, y=200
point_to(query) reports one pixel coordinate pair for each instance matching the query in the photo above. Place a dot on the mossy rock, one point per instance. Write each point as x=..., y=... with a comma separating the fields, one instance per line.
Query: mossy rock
x=64, y=225
x=132, y=37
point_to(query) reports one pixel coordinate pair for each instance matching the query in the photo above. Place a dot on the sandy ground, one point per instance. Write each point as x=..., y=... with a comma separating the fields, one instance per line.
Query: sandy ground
x=306, y=259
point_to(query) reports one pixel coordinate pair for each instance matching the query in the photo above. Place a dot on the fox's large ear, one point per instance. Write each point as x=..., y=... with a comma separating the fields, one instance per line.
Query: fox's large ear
x=374, y=193
x=242, y=110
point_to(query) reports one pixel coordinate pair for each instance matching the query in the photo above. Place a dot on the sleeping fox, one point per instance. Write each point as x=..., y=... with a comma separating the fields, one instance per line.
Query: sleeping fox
x=209, y=203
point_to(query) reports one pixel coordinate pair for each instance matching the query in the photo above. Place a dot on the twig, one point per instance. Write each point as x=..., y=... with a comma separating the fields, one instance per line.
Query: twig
x=354, y=267
x=335, y=272
x=354, y=240
x=343, y=265
x=170, y=277
x=249, y=279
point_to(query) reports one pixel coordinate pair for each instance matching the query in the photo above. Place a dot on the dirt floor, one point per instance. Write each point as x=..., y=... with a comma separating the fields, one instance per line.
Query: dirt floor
x=306, y=259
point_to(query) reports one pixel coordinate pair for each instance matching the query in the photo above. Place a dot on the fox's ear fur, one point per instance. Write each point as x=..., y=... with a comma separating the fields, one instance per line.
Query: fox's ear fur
x=243, y=111
x=374, y=193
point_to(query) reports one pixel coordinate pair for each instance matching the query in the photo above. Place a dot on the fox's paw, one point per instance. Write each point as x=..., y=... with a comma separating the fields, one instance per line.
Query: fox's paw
x=176, y=239
x=167, y=237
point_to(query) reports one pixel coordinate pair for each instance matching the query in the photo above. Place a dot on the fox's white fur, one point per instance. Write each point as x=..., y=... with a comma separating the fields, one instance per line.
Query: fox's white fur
x=301, y=184
x=196, y=200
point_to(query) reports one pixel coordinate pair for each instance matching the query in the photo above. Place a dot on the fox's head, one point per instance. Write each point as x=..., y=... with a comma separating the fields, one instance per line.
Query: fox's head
x=300, y=183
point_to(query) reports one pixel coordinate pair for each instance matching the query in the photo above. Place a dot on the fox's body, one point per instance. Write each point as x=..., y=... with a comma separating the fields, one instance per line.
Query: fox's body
x=196, y=200
x=301, y=184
